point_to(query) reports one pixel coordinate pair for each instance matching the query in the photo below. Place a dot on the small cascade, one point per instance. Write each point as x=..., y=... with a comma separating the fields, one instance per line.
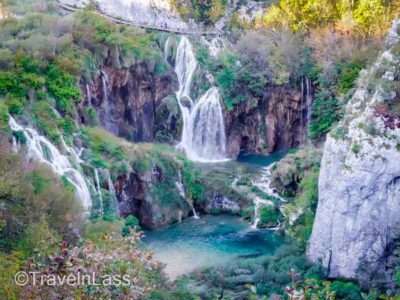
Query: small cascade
x=15, y=144
x=181, y=189
x=98, y=188
x=106, y=105
x=215, y=46
x=71, y=151
x=40, y=149
x=203, y=133
x=89, y=94
x=264, y=185
x=111, y=189
x=309, y=102
x=302, y=104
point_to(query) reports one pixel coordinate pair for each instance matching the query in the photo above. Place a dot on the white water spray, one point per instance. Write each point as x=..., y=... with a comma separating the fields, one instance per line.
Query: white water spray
x=40, y=149
x=264, y=185
x=203, y=133
x=88, y=95
x=181, y=189
x=98, y=188
x=111, y=189
x=309, y=102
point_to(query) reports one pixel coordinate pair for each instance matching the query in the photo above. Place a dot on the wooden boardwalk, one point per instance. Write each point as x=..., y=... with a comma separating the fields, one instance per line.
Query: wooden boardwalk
x=141, y=24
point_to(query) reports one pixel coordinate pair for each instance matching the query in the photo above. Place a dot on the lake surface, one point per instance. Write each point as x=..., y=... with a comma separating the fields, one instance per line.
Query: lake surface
x=212, y=240
x=208, y=241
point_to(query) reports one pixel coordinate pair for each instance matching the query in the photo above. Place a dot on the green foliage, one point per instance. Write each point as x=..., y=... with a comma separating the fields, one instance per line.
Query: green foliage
x=105, y=148
x=192, y=181
x=356, y=148
x=96, y=231
x=46, y=119
x=305, y=201
x=208, y=11
x=92, y=116
x=131, y=222
x=326, y=112
x=269, y=216
x=35, y=205
x=63, y=88
x=233, y=80
x=15, y=105
x=371, y=16
x=10, y=264
x=349, y=75
x=346, y=290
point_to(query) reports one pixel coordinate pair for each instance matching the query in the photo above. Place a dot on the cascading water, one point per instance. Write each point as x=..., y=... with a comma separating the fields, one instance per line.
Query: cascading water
x=71, y=151
x=302, y=104
x=264, y=185
x=15, y=144
x=98, y=188
x=111, y=189
x=89, y=94
x=203, y=133
x=108, y=125
x=40, y=149
x=181, y=189
x=309, y=102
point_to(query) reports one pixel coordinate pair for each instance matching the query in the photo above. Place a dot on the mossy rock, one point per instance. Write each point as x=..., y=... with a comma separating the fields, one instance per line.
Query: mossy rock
x=171, y=48
x=185, y=101
x=168, y=120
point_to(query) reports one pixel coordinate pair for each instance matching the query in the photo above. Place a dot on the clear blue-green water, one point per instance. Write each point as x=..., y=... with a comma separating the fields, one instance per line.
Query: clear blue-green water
x=213, y=240
x=208, y=241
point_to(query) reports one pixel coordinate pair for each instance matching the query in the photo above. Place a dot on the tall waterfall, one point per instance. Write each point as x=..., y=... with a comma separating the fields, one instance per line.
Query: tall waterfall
x=40, y=149
x=307, y=90
x=203, y=134
x=309, y=101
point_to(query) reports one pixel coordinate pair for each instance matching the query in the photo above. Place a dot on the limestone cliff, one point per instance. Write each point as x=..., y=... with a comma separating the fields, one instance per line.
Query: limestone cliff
x=130, y=102
x=269, y=124
x=359, y=185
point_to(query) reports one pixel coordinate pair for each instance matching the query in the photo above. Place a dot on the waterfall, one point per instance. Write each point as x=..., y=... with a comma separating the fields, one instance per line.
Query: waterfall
x=302, y=105
x=215, y=46
x=40, y=149
x=181, y=189
x=15, y=144
x=203, y=133
x=71, y=151
x=111, y=189
x=264, y=185
x=108, y=125
x=89, y=94
x=98, y=188
x=309, y=102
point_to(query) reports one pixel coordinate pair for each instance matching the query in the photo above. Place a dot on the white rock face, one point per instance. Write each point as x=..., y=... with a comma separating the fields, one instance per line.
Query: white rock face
x=359, y=185
x=147, y=12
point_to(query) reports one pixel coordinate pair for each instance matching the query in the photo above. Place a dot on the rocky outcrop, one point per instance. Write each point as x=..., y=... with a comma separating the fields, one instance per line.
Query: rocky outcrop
x=287, y=173
x=139, y=194
x=270, y=124
x=359, y=185
x=127, y=101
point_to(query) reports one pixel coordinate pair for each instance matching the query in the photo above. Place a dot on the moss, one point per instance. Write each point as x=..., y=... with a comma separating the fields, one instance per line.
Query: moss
x=47, y=120
x=269, y=216
x=356, y=148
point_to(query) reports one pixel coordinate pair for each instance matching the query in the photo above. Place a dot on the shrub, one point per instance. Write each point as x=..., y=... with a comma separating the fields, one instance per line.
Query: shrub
x=269, y=216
